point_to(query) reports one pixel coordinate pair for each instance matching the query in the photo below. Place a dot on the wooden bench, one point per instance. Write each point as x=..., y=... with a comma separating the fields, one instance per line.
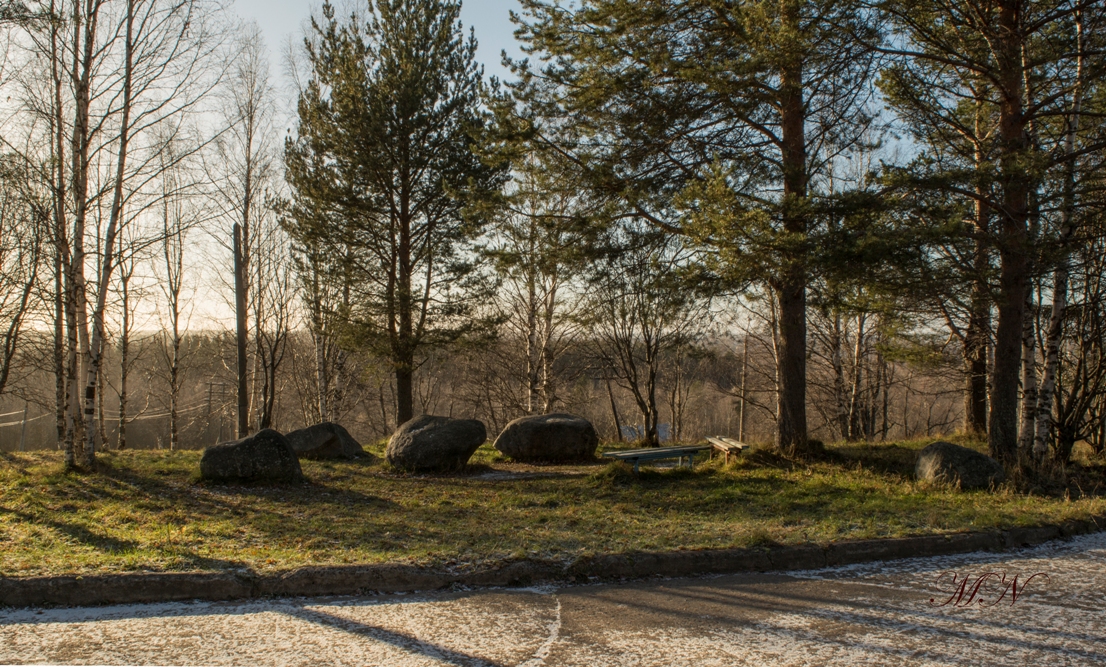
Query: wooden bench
x=657, y=453
x=724, y=445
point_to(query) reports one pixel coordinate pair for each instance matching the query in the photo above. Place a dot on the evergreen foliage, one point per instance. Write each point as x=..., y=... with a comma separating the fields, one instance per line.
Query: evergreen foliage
x=383, y=170
x=718, y=120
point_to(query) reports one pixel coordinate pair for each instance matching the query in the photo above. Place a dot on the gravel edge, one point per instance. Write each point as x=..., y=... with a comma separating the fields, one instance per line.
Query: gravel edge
x=140, y=587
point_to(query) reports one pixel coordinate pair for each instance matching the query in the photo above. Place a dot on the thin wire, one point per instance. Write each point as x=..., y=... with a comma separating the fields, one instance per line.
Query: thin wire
x=115, y=413
x=109, y=415
x=15, y=423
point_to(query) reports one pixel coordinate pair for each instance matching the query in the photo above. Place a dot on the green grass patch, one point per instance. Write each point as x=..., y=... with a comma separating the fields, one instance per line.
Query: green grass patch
x=145, y=510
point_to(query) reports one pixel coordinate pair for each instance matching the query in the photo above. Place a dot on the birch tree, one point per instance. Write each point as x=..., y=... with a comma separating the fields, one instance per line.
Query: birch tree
x=539, y=250
x=119, y=71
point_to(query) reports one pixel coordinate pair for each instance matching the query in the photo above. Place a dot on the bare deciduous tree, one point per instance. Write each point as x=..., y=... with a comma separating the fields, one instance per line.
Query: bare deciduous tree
x=637, y=312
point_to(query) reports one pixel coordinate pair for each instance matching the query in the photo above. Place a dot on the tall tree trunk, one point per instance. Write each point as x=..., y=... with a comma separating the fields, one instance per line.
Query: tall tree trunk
x=241, y=330
x=841, y=415
x=858, y=380
x=1013, y=237
x=124, y=361
x=1055, y=330
x=548, y=388
x=675, y=398
x=652, y=438
x=791, y=285
x=96, y=344
x=84, y=31
x=884, y=409
x=614, y=412
x=265, y=350
x=60, y=238
x=101, y=424
x=73, y=421
x=60, y=388
x=533, y=351
x=174, y=388
x=976, y=337
x=1029, y=379
x=403, y=348
x=322, y=375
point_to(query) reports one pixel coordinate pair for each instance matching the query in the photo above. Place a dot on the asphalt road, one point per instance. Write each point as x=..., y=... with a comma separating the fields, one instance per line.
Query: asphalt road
x=881, y=614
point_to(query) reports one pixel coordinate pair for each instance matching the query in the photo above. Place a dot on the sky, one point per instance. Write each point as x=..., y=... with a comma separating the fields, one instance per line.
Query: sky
x=281, y=19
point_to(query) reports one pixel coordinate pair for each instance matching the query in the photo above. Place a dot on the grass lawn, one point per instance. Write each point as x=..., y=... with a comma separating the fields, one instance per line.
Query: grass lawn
x=145, y=510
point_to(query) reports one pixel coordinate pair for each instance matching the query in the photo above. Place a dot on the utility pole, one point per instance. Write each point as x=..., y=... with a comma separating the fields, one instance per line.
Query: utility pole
x=222, y=402
x=240, y=324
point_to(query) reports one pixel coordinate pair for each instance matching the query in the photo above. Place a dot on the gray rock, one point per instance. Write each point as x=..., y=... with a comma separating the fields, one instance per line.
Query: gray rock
x=324, y=441
x=555, y=437
x=956, y=465
x=435, y=443
x=263, y=456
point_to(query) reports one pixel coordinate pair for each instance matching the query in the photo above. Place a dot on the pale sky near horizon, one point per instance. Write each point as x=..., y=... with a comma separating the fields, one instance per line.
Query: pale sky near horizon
x=281, y=19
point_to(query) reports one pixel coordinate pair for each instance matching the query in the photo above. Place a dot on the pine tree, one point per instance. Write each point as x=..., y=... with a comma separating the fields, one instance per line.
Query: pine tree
x=1020, y=66
x=715, y=120
x=383, y=168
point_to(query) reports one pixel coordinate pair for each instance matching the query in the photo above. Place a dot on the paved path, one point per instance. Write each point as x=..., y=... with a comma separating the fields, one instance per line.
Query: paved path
x=877, y=614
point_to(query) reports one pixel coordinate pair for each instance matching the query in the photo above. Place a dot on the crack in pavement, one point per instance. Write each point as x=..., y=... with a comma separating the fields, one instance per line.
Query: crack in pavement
x=554, y=634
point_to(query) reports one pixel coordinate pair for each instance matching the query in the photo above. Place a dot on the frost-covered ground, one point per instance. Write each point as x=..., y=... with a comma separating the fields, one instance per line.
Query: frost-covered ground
x=878, y=614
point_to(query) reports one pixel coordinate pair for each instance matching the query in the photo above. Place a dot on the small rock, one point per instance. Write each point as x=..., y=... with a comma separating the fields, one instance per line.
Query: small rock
x=953, y=464
x=264, y=456
x=324, y=441
x=555, y=437
x=435, y=443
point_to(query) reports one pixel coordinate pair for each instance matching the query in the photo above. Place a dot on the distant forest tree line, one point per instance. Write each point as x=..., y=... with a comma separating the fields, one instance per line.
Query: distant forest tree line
x=784, y=221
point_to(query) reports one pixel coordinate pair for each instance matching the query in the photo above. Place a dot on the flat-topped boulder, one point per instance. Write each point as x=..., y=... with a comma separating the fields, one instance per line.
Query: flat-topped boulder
x=265, y=456
x=325, y=441
x=554, y=437
x=430, y=443
x=947, y=463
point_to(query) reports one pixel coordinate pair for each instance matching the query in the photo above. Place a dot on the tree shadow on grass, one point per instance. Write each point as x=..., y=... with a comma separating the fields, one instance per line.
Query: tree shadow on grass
x=285, y=513
x=315, y=492
x=894, y=460
x=113, y=545
x=17, y=462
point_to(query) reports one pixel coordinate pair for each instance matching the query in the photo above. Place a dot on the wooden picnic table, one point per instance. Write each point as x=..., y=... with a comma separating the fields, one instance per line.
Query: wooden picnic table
x=724, y=445
x=657, y=453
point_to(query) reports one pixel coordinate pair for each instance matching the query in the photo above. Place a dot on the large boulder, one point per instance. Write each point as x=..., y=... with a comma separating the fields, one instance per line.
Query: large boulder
x=324, y=441
x=428, y=443
x=263, y=456
x=555, y=437
x=952, y=464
